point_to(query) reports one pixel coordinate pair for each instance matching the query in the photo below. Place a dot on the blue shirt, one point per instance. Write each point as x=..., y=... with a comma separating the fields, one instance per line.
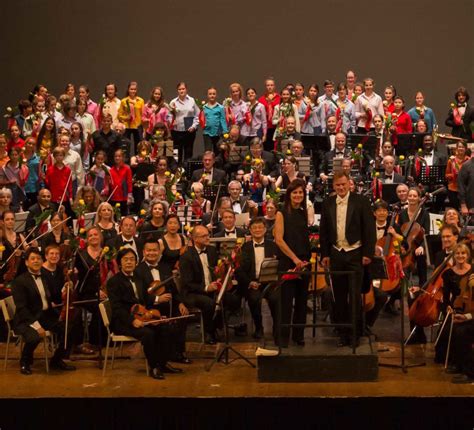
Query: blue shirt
x=215, y=120
x=32, y=184
x=429, y=118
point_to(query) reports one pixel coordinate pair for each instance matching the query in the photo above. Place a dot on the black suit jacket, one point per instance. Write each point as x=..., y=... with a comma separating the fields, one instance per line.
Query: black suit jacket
x=29, y=307
x=397, y=179
x=238, y=231
x=122, y=298
x=191, y=271
x=246, y=272
x=464, y=130
x=360, y=224
x=218, y=176
x=243, y=200
x=326, y=164
x=143, y=273
x=34, y=211
x=117, y=243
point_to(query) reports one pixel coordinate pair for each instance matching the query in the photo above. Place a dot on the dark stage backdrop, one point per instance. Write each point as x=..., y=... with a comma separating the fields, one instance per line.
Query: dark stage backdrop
x=413, y=45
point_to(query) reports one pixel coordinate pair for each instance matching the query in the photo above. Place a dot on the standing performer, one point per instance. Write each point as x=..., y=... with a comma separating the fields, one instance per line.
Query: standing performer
x=347, y=238
x=292, y=237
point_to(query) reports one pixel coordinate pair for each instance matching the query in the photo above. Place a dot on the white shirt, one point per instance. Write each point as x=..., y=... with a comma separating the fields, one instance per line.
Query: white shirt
x=233, y=234
x=205, y=268
x=388, y=179
x=429, y=158
x=185, y=109
x=133, y=245
x=341, y=213
x=380, y=230
x=154, y=272
x=236, y=207
x=42, y=292
x=259, y=256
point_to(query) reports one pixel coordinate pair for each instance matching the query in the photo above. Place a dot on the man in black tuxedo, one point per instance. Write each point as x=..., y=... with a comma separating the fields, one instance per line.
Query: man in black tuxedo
x=247, y=274
x=239, y=204
x=271, y=166
x=449, y=239
x=209, y=174
x=461, y=128
x=34, y=314
x=228, y=223
x=196, y=267
x=347, y=238
x=389, y=176
x=125, y=290
x=127, y=237
x=339, y=152
x=216, y=224
x=44, y=204
x=168, y=303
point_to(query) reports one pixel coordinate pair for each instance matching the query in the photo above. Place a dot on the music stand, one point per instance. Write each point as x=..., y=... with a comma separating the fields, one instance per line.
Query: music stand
x=406, y=144
x=223, y=353
x=89, y=219
x=164, y=148
x=304, y=165
x=242, y=219
x=321, y=143
x=20, y=221
x=191, y=166
x=389, y=193
x=268, y=273
x=210, y=192
x=369, y=143
x=436, y=175
x=237, y=154
x=224, y=244
x=418, y=140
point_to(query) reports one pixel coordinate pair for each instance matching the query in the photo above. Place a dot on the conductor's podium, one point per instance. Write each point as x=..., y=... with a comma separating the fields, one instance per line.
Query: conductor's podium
x=320, y=360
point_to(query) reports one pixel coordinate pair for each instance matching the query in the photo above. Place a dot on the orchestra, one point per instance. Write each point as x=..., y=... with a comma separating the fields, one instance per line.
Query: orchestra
x=116, y=206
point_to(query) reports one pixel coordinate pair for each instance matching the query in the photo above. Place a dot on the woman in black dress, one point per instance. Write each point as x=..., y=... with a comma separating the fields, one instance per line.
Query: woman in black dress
x=58, y=235
x=154, y=228
x=105, y=220
x=292, y=237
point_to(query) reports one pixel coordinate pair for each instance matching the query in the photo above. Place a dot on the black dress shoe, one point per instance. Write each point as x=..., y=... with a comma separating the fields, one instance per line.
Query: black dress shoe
x=181, y=358
x=156, y=373
x=25, y=369
x=61, y=365
x=258, y=333
x=168, y=368
x=453, y=370
x=390, y=309
x=300, y=342
x=210, y=339
x=343, y=341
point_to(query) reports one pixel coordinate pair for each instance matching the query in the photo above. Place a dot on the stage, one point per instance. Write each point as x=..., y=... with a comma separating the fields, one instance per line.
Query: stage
x=230, y=396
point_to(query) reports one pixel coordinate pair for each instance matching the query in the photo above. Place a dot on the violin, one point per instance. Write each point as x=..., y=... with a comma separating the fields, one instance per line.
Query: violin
x=465, y=300
x=318, y=281
x=153, y=316
x=159, y=287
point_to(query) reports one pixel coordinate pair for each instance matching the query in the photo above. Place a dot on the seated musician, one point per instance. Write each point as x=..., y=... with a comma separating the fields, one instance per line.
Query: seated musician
x=44, y=204
x=125, y=290
x=52, y=273
x=290, y=133
x=168, y=302
x=297, y=149
x=383, y=230
x=270, y=167
x=289, y=172
x=330, y=130
x=239, y=203
x=228, y=223
x=256, y=181
x=402, y=194
x=215, y=224
x=389, y=176
x=209, y=174
x=458, y=285
x=449, y=238
x=59, y=233
x=340, y=151
x=196, y=268
x=453, y=217
x=127, y=237
x=34, y=314
x=253, y=253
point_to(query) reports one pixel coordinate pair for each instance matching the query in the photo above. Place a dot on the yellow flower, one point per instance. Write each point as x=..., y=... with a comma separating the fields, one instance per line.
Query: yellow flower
x=106, y=249
x=143, y=212
x=82, y=230
x=187, y=227
x=82, y=202
x=226, y=135
x=288, y=152
x=219, y=262
x=203, y=175
x=248, y=157
x=377, y=174
x=401, y=158
x=193, y=194
x=167, y=173
x=420, y=151
x=240, y=241
x=452, y=105
x=258, y=161
x=313, y=261
x=278, y=190
x=122, y=247
x=396, y=243
x=281, y=129
x=2, y=248
x=9, y=109
x=359, y=146
x=177, y=195
x=117, y=205
x=268, y=196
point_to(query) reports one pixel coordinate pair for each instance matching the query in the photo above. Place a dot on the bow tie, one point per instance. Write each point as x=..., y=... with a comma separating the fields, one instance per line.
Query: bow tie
x=461, y=104
x=429, y=154
x=153, y=267
x=332, y=134
x=380, y=228
x=235, y=202
x=339, y=153
x=389, y=177
x=230, y=232
x=259, y=245
x=128, y=242
x=203, y=251
x=207, y=172
x=35, y=276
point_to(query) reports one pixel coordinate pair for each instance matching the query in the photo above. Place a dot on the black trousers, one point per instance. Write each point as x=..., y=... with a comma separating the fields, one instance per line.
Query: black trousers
x=454, y=199
x=207, y=305
x=294, y=290
x=311, y=146
x=463, y=356
x=346, y=261
x=184, y=141
x=210, y=143
x=178, y=328
x=156, y=341
x=380, y=300
x=49, y=320
x=135, y=135
x=268, y=145
x=254, y=299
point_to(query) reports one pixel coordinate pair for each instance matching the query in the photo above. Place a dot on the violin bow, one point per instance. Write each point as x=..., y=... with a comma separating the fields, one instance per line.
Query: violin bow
x=111, y=194
x=19, y=246
x=68, y=292
x=64, y=192
x=46, y=232
x=214, y=208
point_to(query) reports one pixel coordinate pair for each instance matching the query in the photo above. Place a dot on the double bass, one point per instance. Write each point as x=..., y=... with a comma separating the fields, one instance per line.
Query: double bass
x=391, y=284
